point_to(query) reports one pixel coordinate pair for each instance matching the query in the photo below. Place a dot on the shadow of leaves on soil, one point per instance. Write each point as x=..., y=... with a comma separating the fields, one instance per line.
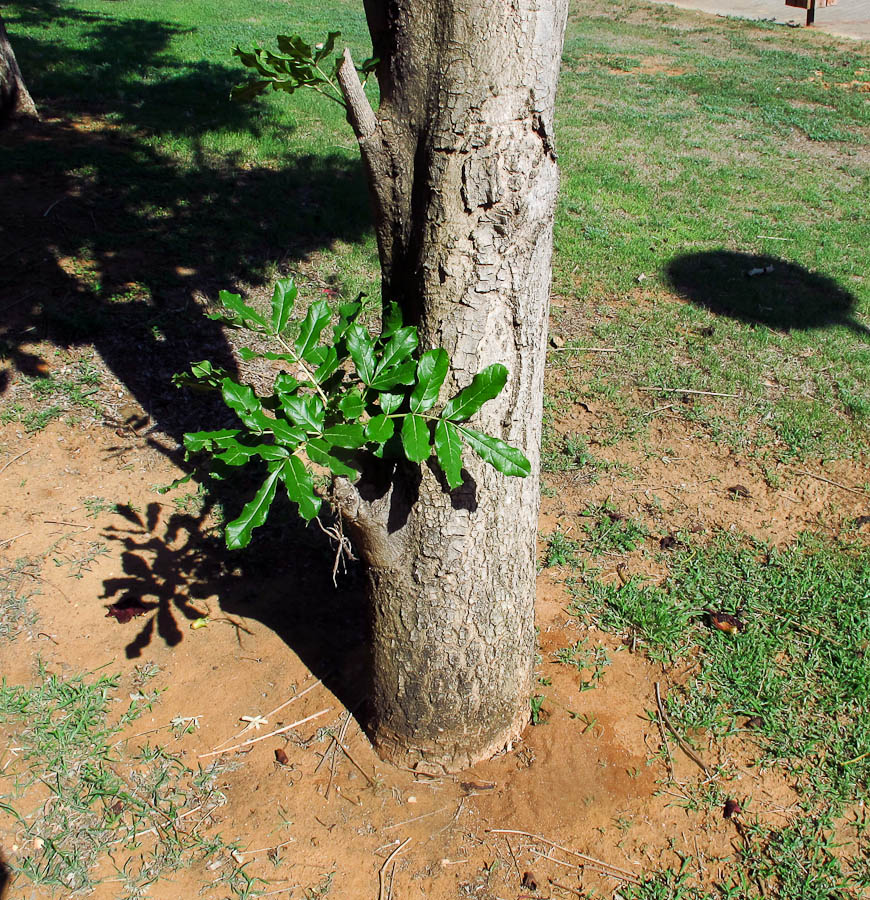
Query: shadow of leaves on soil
x=175, y=570
x=785, y=297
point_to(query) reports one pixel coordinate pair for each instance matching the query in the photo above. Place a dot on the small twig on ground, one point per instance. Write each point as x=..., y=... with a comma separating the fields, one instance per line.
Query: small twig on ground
x=683, y=745
x=267, y=849
x=453, y=818
x=12, y=539
x=513, y=857
x=844, y=487
x=382, y=894
x=564, y=887
x=358, y=766
x=337, y=742
x=582, y=350
x=628, y=876
x=659, y=722
x=255, y=740
x=269, y=714
x=575, y=868
x=665, y=390
x=70, y=524
x=415, y=819
x=14, y=458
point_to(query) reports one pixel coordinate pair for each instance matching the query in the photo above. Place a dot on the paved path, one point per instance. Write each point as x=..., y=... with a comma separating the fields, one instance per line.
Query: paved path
x=849, y=18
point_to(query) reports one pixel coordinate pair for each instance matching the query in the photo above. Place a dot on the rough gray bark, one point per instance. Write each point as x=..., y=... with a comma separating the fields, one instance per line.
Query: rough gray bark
x=15, y=100
x=463, y=176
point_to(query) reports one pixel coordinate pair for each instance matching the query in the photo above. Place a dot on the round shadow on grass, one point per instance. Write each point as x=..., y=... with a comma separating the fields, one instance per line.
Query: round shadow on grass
x=763, y=290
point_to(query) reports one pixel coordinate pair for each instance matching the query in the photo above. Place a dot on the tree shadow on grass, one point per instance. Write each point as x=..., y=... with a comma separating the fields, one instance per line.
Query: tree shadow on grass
x=763, y=290
x=111, y=239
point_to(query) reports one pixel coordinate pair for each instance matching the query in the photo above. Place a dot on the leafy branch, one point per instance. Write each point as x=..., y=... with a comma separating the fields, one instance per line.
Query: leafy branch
x=296, y=65
x=345, y=396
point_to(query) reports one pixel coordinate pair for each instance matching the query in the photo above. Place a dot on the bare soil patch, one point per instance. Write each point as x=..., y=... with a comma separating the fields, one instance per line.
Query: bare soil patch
x=589, y=777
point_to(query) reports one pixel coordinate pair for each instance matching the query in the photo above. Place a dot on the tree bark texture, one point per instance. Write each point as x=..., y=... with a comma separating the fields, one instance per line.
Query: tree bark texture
x=462, y=172
x=15, y=100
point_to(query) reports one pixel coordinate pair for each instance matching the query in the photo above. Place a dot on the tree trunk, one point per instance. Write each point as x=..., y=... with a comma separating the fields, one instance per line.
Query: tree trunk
x=463, y=175
x=15, y=100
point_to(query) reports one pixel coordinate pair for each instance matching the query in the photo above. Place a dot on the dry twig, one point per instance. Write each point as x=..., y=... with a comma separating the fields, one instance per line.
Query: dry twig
x=13, y=460
x=683, y=745
x=843, y=487
x=659, y=722
x=271, y=712
x=382, y=891
x=255, y=740
x=591, y=860
x=690, y=391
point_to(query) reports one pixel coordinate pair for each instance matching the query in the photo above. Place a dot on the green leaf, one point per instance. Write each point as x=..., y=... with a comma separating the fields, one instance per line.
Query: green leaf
x=314, y=322
x=326, y=365
x=238, y=532
x=351, y=435
x=327, y=46
x=415, y=438
x=431, y=372
x=347, y=315
x=380, y=429
x=247, y=354
x=392, y=320
x=448, y=449
x=497, y=453
x=195, y=441
x=300, y=487
x=242, y=311
x=390, y=402
x=400, y=347
x=307, y=412
x=287, y=435
x=318, y=452
x=352, y=405
x=285, y=385
x=243, y=401
x=404, y=373
x=484, y=386
x=362, y=352
x=237, y=454
x=283, y=298
x=241, y=93
x=295, y=47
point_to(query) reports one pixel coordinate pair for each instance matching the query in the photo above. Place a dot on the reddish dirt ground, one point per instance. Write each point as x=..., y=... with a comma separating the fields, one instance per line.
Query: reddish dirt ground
x=587, y=778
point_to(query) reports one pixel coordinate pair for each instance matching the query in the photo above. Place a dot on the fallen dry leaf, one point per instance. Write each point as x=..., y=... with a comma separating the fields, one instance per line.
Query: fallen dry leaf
x=126, y=610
